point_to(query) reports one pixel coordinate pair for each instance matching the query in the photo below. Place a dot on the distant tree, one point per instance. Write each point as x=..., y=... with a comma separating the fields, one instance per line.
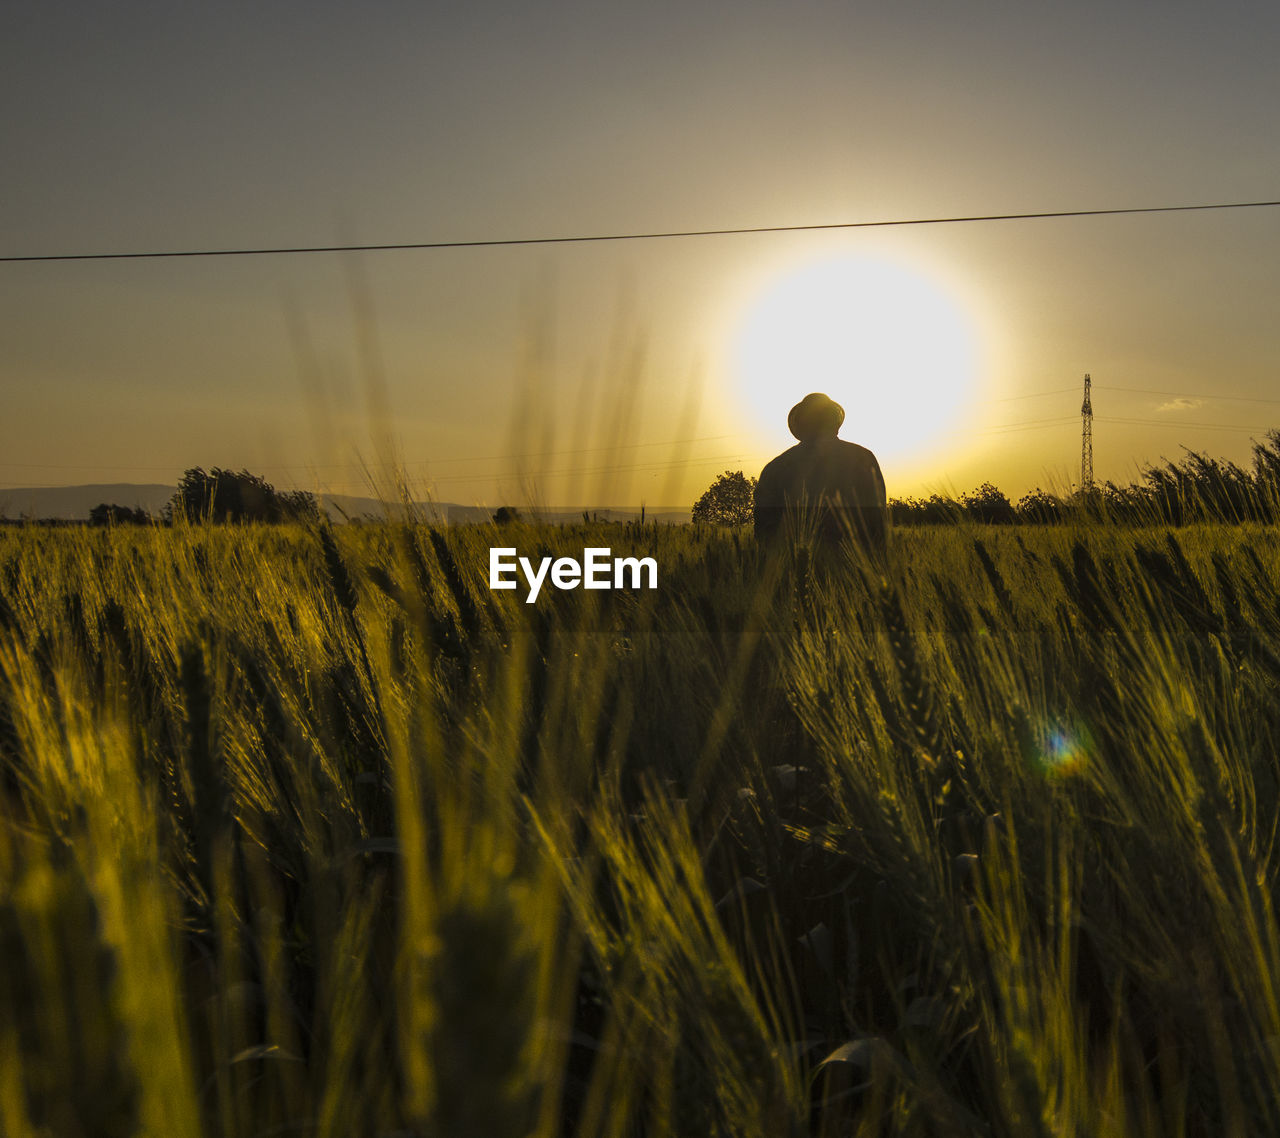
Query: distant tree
x=504, y=515
x=1040, y=507
x=226, y=496
x=728, y=501
x=113, y=515
x=988, y=504
x=299, y=506
x=1266, y=475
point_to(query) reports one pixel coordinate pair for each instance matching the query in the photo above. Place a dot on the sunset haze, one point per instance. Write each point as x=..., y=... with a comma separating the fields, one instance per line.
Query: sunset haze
x=610, y=372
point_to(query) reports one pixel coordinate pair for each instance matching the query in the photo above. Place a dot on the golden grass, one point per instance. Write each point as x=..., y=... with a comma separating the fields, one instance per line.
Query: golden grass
x=307, y=831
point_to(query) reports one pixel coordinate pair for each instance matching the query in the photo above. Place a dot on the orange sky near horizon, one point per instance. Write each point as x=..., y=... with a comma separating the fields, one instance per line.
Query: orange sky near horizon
x=613, y=373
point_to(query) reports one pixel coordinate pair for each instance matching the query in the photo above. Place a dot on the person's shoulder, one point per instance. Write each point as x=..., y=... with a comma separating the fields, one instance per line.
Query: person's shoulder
x=781, y=462
x=852, y=448
x=855, y=451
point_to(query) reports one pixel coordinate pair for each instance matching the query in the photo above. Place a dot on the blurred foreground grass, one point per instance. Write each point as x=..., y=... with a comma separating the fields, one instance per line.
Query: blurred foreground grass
x=307, y=832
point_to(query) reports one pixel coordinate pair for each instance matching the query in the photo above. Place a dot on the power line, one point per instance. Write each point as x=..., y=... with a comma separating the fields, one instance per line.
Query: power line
x=994, y=429
x=512, y=475
x=519, y=475
x=557, y=453
x=583, y=239
x=611, y=469
x=998, y=429
x=308, y=467
x=1182, y=425
x=1031, y=395
x=1030, y=424
x=1205, y=395
x=1189, y=394
x=435, y=462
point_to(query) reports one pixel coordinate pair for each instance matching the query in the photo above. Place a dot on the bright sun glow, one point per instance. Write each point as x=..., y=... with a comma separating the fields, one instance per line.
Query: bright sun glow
x=889, y=345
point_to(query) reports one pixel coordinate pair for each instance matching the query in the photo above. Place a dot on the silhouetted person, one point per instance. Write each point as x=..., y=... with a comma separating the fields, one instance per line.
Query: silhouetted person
x=824, y=481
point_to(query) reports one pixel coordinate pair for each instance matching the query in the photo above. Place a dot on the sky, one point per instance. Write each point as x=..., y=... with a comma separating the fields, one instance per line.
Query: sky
x=614, y=373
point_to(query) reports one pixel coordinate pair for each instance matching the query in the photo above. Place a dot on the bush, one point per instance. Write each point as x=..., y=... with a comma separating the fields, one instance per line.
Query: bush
x=224, y=496
x=988, y=504
x=113, y=515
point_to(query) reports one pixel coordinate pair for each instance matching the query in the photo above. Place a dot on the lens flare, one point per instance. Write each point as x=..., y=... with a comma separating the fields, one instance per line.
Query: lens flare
x=1062, y=749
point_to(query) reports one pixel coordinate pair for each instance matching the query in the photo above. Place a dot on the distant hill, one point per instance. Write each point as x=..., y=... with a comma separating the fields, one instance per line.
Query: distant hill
x=73, y=503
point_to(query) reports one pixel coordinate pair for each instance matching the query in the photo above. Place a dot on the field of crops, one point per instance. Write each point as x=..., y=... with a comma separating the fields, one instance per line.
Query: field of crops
x=306, y=831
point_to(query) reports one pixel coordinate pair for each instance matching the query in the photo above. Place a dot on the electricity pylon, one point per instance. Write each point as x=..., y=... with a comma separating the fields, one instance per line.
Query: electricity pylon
x=1086, y=439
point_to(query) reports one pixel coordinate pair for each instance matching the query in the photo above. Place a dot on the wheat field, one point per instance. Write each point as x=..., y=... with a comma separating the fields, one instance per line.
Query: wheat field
x=306, y=831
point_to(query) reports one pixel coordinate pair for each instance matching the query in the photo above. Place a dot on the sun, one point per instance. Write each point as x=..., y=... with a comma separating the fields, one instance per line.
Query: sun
x=896, y=350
